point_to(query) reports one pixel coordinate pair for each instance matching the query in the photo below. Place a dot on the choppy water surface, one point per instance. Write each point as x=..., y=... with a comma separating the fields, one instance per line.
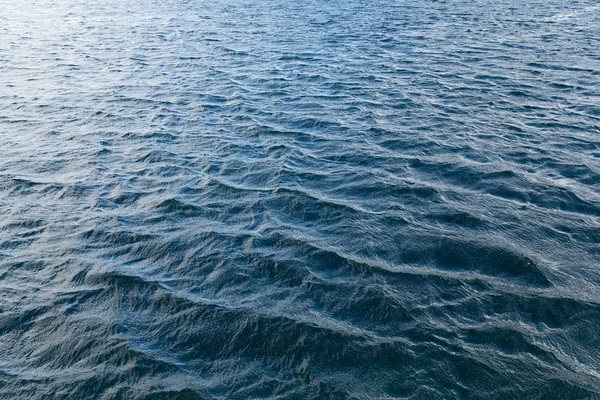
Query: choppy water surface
x=299, y=199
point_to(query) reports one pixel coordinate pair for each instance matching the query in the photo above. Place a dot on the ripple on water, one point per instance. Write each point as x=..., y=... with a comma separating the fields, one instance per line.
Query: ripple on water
x=327, y=200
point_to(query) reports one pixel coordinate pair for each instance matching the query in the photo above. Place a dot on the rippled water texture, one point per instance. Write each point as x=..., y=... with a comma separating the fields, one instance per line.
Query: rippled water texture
x=299, y=199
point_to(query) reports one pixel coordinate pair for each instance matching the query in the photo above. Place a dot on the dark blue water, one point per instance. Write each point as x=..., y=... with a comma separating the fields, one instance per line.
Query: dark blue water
x=243, y=199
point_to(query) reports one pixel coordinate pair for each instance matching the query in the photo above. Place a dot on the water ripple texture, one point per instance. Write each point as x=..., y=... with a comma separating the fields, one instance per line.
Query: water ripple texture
x=244, y=199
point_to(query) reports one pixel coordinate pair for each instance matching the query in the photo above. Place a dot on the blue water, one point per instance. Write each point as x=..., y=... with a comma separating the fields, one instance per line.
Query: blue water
x=243, y=199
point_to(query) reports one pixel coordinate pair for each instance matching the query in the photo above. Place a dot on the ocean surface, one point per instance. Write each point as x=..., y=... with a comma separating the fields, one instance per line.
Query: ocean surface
x=311, y=199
